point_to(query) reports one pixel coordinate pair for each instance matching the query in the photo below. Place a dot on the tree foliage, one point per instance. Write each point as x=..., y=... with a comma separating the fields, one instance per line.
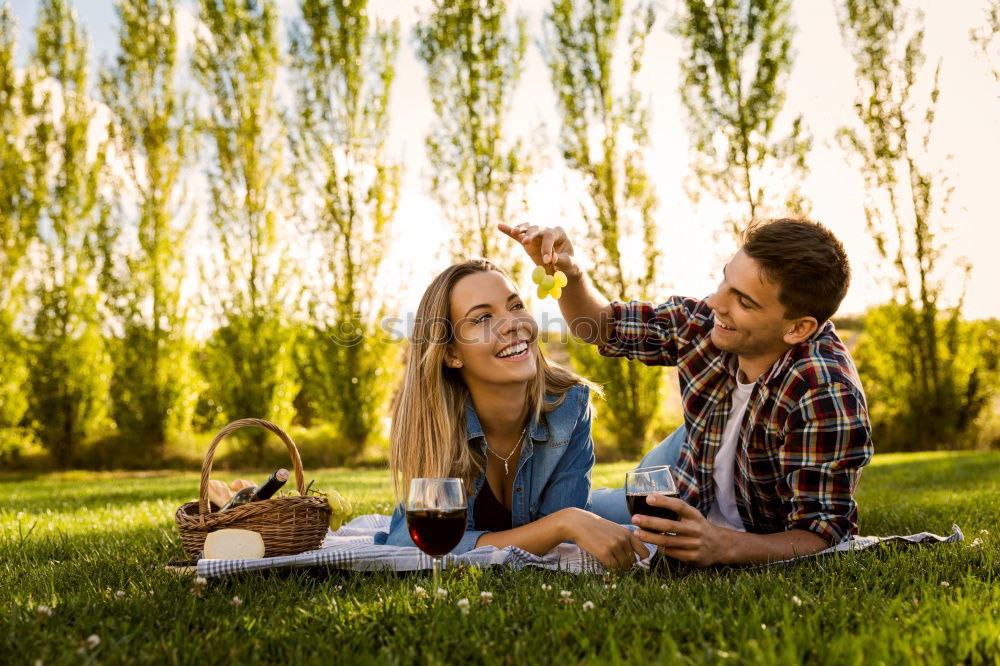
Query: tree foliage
x=898, y=402
x=18, y=218
x=735, y=64
x=154, y=381
x=344, y=65
x=474, y=62
x=603, y=137
x=70, y=368
x=905, y=198
x=250, y=366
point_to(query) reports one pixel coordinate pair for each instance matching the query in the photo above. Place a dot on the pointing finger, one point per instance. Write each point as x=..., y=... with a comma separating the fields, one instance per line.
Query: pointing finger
x=661, y=525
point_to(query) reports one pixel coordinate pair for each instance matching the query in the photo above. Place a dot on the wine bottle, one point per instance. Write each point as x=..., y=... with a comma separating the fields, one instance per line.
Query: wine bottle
x=257, y=493
x=271, y=486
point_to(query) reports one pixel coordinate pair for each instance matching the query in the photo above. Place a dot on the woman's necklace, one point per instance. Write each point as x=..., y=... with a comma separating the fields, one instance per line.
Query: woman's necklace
x=514, y=450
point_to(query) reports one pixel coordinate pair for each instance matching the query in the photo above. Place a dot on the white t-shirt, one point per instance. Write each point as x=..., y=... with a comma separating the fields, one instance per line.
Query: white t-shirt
x=724, y=511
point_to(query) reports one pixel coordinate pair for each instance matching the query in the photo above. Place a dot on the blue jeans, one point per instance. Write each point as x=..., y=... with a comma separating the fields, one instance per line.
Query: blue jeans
x=609, y=503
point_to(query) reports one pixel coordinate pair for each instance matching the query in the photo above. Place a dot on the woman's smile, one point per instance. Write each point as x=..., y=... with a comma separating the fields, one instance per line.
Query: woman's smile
x=517, y=351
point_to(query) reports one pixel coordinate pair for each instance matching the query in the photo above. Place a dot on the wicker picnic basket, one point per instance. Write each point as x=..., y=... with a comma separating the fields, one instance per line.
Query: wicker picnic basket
x=288, y=525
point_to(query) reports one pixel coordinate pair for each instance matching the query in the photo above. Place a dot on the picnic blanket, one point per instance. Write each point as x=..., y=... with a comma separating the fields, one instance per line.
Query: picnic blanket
x=352, y=548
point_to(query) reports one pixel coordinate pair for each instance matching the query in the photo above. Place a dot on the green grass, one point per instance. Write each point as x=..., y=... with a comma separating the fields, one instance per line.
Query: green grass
x=73, y=541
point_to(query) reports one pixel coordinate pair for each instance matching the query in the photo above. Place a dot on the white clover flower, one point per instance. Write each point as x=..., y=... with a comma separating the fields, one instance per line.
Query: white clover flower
x=796, y=600
x=945, y=583
x=565, y=594
x=419, y=591
x=93, y=641
x=976, y=544
x=763, y=626
x=441, y=593
x=486, y=598
x=120, y=594
x=237, y=601
x=463, y=605
x=43, y=611
x=984, y=532
x=546, y=588
x=200, y=581
x=588, y=605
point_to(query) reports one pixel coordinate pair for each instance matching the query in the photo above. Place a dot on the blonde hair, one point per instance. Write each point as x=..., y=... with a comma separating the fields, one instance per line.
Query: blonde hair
x=428, y=436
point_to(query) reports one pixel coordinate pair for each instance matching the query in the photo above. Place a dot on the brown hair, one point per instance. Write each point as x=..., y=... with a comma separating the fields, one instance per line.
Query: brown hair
x=805, y=260
x=428, y=437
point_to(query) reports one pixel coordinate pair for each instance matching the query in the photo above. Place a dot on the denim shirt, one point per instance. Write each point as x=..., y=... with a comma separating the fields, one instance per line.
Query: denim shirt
x=553, y=472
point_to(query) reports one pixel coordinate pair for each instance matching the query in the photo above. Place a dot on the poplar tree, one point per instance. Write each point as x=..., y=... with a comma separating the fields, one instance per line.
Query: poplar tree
x=344, y=65
x=735, y=64
x=249, y=360
x=70, y=368
x=154, y=383
x=603, y=136
x=17, y=228
x=474, y=58
x=914, y=359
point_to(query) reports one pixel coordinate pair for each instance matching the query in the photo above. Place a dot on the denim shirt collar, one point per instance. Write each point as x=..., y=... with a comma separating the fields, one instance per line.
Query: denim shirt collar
x=474, y=429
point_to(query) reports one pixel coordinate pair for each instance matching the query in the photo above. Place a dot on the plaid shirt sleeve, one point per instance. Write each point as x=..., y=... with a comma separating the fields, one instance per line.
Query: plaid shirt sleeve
x=827, y=443
x=652, y=334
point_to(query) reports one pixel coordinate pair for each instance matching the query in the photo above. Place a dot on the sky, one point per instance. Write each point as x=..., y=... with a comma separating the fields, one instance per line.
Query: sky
x=821, y=87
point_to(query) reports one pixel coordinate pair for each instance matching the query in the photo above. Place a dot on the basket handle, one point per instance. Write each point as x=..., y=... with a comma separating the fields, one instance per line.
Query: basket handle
x=206, y=466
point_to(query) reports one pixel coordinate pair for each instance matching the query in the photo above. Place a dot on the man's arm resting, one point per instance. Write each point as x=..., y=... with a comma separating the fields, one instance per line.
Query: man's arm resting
x=747, y=548
x=693, y=539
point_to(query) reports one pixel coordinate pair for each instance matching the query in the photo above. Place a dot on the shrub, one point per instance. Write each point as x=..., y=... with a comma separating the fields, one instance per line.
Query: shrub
x=918, y=403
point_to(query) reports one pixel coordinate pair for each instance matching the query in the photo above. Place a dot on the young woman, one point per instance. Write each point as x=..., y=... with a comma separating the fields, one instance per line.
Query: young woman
x=480, y=402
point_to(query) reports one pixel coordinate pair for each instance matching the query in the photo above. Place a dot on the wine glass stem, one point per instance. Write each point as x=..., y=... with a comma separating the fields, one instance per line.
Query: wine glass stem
x=436, y=568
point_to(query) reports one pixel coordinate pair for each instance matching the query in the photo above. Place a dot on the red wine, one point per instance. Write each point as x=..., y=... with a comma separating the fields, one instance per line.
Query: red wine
x=638, y=504
x=436, y=531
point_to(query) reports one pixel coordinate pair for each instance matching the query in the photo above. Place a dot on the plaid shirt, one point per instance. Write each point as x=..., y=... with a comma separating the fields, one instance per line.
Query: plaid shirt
x=805, y=434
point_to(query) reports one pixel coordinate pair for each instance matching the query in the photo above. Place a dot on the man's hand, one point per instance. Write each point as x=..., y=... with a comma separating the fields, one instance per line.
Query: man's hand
x=545, y=246
x=585, y=309
x=693, y=539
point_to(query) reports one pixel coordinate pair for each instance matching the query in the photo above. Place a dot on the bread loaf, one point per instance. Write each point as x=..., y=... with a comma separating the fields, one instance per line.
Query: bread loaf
x=219, y=494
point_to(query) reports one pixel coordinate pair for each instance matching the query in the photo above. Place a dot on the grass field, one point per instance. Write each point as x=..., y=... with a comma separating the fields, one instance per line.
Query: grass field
x=89, y=548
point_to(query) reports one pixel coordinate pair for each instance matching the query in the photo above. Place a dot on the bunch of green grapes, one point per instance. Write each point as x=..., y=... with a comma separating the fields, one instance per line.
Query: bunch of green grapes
x=548, y=285
x=340, y=508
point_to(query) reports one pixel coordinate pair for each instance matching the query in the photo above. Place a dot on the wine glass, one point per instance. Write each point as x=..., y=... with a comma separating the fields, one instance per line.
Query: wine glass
x=642, y=482
x=436, y=517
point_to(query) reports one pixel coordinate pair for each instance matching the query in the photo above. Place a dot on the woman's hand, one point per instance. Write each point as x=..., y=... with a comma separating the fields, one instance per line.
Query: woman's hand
x=545, y=245
x=614, y=545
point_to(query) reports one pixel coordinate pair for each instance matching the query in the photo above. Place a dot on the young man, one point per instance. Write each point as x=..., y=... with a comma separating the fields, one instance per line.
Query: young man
x=776, y=427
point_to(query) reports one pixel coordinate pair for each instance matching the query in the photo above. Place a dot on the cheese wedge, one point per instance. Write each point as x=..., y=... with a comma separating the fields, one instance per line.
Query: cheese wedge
x=234, y=545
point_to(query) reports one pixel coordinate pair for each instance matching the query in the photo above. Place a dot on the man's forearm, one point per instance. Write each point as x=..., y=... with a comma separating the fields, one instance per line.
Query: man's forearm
x=586, y=311
x=747, y=548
